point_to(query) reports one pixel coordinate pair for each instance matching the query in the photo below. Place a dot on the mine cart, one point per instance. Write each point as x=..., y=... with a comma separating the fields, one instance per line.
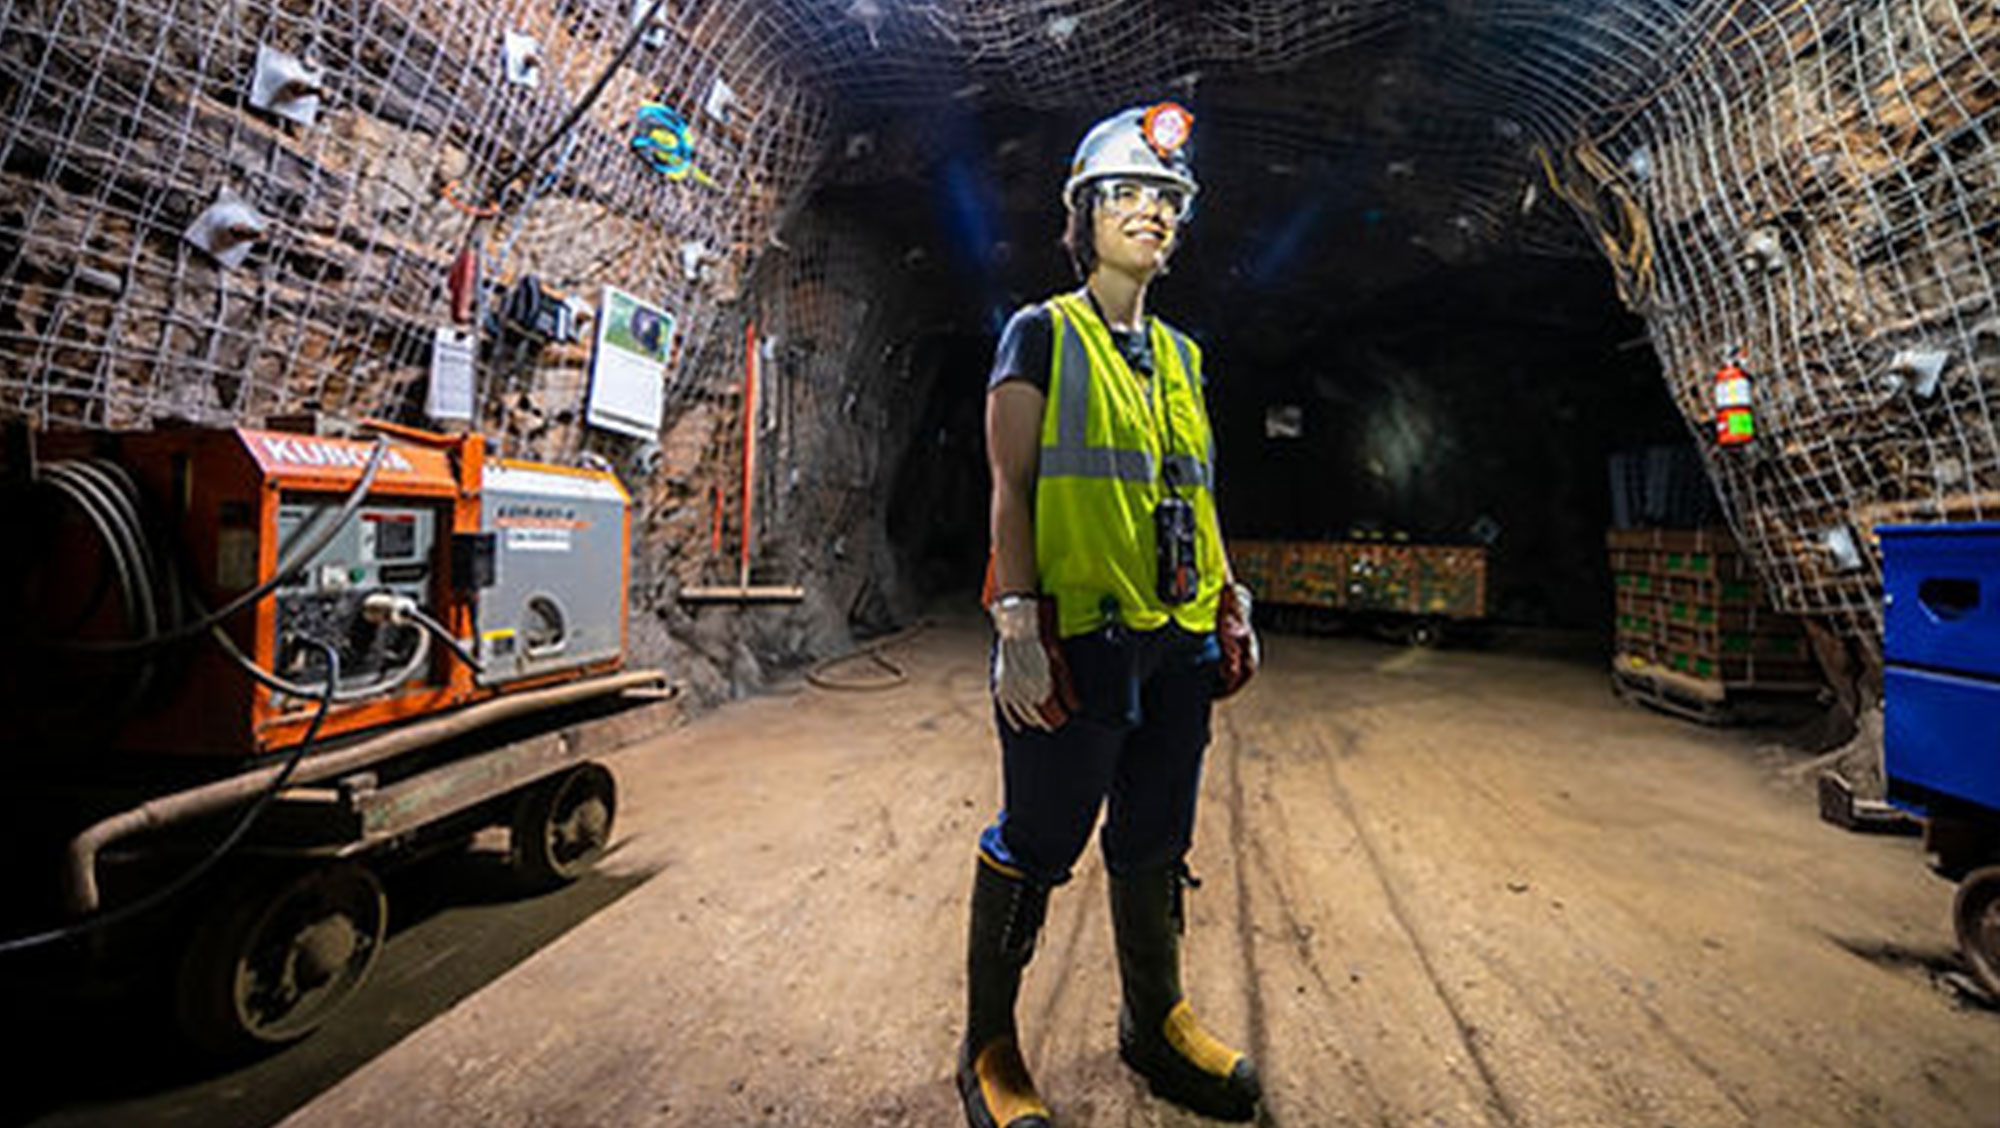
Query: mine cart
x=1411, y=590
x=1941, y=701
x=251, y=668
x=1695, y=635
x=258, y=892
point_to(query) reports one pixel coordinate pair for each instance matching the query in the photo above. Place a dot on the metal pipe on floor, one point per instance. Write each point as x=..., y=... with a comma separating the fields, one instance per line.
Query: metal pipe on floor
x=80, y=858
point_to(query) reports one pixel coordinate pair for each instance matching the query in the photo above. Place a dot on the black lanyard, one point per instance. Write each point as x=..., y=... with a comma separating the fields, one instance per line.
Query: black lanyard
x=1139, y=359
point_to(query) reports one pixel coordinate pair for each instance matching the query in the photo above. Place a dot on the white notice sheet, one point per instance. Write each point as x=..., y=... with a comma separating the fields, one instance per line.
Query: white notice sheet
x=629, y=365
x=450, y=393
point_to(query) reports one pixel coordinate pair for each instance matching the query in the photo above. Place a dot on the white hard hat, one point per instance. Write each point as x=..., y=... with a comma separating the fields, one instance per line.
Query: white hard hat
x=1145, y=141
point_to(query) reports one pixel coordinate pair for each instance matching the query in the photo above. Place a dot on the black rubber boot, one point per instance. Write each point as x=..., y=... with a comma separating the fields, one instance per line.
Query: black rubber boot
x=993, y=1081
x=1158, y=1035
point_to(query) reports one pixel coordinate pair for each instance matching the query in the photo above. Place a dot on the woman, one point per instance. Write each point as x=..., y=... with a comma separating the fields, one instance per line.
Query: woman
x=1106, y=587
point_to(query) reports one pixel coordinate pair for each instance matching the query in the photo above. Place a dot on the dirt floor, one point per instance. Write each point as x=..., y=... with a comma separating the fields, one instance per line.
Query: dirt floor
x=1441, y=888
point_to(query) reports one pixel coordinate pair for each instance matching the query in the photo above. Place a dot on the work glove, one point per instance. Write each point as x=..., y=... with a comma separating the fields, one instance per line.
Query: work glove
x=1031, y=682
x=1241, y=652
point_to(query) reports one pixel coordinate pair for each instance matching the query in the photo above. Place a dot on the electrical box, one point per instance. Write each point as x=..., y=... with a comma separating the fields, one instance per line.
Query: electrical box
x=383, y=549
x=557, y=602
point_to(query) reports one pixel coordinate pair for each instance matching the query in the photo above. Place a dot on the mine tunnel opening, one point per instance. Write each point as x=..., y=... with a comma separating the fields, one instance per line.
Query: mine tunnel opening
x=1365, y=380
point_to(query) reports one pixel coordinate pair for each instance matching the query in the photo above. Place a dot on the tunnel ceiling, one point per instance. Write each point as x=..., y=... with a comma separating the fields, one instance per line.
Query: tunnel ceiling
x=1811, y=188
x=1367, y=118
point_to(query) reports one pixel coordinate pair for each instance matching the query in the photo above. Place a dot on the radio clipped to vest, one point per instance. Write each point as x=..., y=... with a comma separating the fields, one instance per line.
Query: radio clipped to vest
x=1177, y=572
x=1179, y=577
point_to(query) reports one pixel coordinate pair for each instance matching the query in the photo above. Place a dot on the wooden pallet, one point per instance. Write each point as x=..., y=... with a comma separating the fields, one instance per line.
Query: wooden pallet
x=1708, y=702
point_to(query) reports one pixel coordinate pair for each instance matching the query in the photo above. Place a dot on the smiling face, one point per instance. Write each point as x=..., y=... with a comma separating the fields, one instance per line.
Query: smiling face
x=1133, y=235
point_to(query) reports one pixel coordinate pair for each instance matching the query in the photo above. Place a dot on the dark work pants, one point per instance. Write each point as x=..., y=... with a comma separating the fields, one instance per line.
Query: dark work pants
x=1136, y=744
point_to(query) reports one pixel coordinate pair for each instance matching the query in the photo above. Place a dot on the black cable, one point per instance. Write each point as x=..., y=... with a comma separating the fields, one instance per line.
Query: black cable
x=215, y=856
x=113, y=514
x=270, y=680
x=290, y=560
x=106, y=497
x=639, y=29
x=437, y=629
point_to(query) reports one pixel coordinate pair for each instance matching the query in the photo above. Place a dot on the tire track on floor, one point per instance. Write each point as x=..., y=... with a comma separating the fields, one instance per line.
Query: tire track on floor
x=1518, y=825
x=1252, y=856
x=1496, y=1097
x=1510, y=827
x=1066, y=961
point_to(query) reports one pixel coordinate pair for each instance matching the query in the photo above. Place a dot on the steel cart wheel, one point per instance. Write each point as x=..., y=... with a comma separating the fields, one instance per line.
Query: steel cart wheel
x=281, y=952
x=562, y=825
x=1976, y=914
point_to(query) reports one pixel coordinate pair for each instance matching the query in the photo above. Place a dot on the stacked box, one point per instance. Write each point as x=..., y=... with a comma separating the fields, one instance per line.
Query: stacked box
x=1259, y=564
x=1448, y=581
x=1313, y=574
x=1687, y=601
x=1451, y=581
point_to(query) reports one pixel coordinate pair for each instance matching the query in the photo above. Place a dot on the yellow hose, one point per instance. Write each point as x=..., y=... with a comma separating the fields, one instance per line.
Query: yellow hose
x=1626, y=234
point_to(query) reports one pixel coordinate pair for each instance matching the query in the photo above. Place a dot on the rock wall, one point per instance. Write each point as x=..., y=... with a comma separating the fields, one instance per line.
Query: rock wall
x=121, y=123
x=1816, y=191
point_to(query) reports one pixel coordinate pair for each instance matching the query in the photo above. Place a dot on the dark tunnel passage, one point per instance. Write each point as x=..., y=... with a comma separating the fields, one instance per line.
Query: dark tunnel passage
x=1362, y=382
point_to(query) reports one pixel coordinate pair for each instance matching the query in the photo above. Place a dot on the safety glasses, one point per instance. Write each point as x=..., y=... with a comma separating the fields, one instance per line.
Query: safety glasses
x=1126, y=198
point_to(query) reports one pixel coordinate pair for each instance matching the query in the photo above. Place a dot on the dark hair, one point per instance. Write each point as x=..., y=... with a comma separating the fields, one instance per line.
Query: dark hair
x=1080, y=237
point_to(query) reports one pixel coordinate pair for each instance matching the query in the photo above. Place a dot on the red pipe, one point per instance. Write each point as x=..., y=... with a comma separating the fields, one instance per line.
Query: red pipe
x=749, y=448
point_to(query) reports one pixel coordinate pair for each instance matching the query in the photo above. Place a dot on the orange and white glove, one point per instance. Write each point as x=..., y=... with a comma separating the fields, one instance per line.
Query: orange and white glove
x=1031, y=683
x=1241, y=652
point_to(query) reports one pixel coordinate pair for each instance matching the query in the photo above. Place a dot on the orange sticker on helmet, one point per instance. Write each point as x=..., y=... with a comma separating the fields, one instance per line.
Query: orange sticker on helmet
x=1167, y=127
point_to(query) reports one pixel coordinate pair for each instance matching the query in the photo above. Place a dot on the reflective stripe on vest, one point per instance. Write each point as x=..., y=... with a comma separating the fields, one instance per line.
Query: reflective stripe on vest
x=1205, y=478
x=1072, y=456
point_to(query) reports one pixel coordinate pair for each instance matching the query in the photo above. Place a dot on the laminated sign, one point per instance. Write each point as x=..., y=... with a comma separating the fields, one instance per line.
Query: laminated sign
x=628, y=366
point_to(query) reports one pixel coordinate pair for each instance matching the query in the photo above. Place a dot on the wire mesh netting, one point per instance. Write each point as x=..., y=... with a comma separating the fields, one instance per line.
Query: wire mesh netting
x=1813, y=189
x=126, y=123
x=1810, y=186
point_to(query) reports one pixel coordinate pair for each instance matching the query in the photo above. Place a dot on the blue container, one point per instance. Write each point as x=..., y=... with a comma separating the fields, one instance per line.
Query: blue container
x=1941, y=732
x=1941, y=597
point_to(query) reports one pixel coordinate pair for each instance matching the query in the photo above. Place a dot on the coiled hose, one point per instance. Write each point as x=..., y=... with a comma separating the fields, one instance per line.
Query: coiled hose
x=818, y=674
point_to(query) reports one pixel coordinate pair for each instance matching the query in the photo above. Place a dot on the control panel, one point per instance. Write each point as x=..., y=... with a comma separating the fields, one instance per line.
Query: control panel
x=385, y=548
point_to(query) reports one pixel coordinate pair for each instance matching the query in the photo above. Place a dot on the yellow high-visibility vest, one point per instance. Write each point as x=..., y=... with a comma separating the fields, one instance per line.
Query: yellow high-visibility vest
x=1108, y=438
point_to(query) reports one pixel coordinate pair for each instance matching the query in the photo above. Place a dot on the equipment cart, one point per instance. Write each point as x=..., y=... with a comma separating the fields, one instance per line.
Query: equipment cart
x=244, y=670
x=266, y=940
x=1411, y=591
x=1941, y=700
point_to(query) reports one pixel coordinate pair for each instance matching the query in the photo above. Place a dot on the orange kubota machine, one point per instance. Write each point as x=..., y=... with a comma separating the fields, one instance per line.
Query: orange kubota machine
x=428, y=574
x=273, y=661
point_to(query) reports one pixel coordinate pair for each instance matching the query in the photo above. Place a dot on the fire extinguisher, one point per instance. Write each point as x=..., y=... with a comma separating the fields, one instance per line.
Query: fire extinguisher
x=1734, y=423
